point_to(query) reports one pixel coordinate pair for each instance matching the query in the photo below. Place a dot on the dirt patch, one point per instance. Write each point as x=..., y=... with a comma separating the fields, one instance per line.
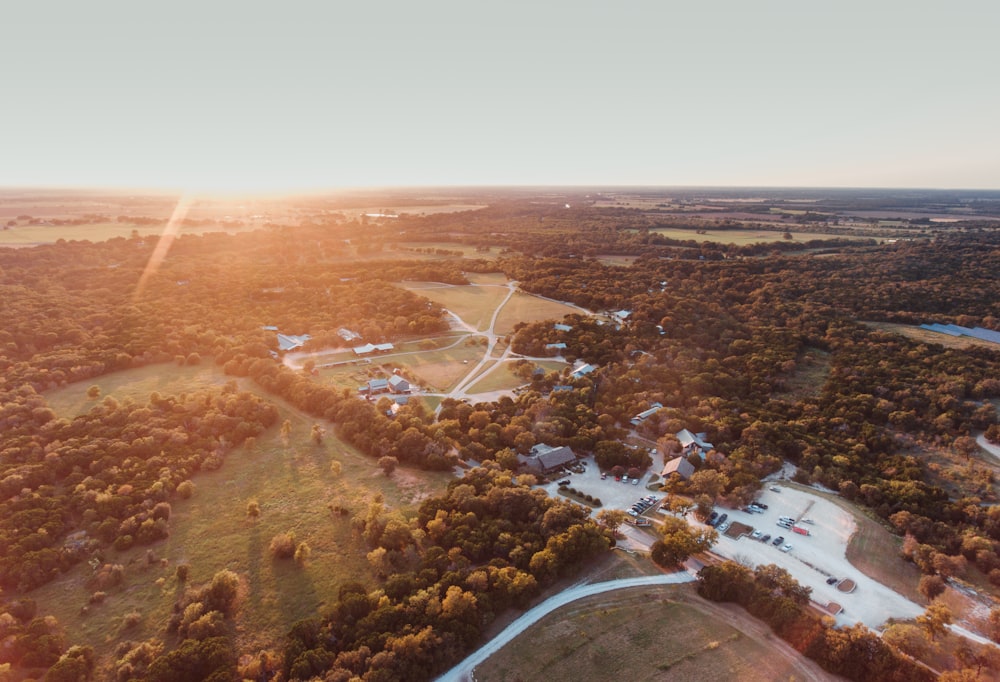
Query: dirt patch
x=736, y=529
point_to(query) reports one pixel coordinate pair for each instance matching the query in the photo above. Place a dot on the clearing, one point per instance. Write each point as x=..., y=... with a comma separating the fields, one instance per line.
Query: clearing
x=651, y=633
x=474, y=303
x=927, y=336
x=294, y=485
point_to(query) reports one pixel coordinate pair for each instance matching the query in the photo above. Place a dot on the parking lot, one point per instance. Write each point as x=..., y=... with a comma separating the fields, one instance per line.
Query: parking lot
x=613, y=494
x=815, y=558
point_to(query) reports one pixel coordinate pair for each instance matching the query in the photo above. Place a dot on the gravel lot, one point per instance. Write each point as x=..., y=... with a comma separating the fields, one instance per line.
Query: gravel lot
x=815, y=557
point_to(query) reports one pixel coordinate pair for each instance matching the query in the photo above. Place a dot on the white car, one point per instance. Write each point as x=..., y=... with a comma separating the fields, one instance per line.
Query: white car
x=756, y=535
x=723, y=528
x=786, y=548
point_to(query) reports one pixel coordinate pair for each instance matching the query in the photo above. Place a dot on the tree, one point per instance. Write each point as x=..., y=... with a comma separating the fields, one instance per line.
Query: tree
x=94, y=392
x=253, y=509
x=317, y=433
x=286, y=430
x=611, y=519
x=388, y=464
x=965, y=446
x=935, y=619
x=931, y=586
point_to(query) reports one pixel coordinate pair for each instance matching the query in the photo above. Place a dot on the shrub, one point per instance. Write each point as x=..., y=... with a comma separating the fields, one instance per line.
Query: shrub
x=283, y=545
x=131, y=619
x=302, y=553
x=185, y=489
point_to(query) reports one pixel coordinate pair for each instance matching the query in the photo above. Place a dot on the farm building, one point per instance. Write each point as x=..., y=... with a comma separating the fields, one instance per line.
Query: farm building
x=398, y=384
x=583, y=370
x=956, y=330
x=679, y=466
x=287, y=342
x=646, y=414
x=369, y=348
x=375, y=386
x=347, y=334
x=544, y=459
x=555, y=346
x=562, y=327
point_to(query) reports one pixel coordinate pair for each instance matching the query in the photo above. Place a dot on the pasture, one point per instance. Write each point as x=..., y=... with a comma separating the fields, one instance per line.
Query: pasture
x=31, y=235
x=475, y=304
x=440, y=370
x=647, y=634
x=927, y=336
x=294, y=483
x=524, y=307
x=741, y=237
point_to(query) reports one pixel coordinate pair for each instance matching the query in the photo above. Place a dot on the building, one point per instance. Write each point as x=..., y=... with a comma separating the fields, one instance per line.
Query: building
x=287, y=342
x=369, y=348
x=375, y=386
x=693, y=442
x=555, y=346
x=679, y=466
x=646, y=414
x=581, y=371
x=544, y=459
x=398, y=384
x=562, y=327
x=347, y=334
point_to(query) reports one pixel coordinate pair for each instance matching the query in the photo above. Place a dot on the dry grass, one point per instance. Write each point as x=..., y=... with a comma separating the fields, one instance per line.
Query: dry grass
x=524, y=307
x=744, y=236
x=294, y=485
x=474, y=304
x=809, y=376
x=643, y=634
x=28, y=235
x=500, y=379
x=440, y=370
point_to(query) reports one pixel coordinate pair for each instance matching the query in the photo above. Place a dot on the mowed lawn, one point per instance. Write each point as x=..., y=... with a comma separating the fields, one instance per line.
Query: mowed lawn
x=294, y=483
x=660, y=633
x=440, y=370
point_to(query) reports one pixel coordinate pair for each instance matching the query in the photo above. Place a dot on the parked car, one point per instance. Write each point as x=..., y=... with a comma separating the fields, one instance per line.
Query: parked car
x=831, y=580
x=778, y=540
x=756, y=534
x=800, y=530
x=723, y=527
x=565, y=481
x=774, y=489
x=635, y=481
x=632, y=512
x=767, y=537
x=759, y=504
x=723, y=517
x=624, y=479
x=603, y=476
x=786, y=548
x=713, y=516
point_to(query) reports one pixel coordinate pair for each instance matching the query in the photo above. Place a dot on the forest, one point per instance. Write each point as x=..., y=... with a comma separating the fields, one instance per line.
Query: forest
x=719, y=335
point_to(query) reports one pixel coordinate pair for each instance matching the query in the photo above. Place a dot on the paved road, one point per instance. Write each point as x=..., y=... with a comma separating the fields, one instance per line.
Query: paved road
x=463, y=671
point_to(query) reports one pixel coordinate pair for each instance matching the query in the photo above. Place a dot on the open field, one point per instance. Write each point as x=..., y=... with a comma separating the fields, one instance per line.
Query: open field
x=293, y=483
x=466, y=250
x=440, y=370
x=474, y=304
x=524, y=307
x=927, y=336
x=497, y=278
x=500, y=379
x=31, y=235
x=721, y=236
x=411, y=209
x=647, y=634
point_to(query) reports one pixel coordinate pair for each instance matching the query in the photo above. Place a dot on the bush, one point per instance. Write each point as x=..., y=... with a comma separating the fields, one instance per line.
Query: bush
x=131, y=620
x=283, y=545
x=185, y=489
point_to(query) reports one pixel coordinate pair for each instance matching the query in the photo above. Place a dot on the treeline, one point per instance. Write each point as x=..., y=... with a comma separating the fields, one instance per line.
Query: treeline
x=109, y=473
x=772, y=595
x=489, y=543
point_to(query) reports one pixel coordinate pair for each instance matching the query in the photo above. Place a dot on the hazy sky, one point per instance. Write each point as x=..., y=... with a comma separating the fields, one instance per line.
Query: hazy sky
x=250, y=95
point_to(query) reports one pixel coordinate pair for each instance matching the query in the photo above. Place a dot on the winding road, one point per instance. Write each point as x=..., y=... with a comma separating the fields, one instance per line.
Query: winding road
x=463, y=671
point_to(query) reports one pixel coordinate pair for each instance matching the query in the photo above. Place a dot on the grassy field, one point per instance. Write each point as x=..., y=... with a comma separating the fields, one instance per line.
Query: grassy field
x=524, y=307
x=474, y=304
x=440, y=370
x=742, y=236
x=500, y=379
x=649, y=634
x=294, y=483
x=927, y=336
x=467, y=251
x=27, y=235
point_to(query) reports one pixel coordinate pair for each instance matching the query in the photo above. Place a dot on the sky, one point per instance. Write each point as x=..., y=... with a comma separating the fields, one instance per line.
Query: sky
x=214, y=95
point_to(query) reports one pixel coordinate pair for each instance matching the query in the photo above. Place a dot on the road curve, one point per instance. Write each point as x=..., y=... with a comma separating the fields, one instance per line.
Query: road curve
x=463, y=671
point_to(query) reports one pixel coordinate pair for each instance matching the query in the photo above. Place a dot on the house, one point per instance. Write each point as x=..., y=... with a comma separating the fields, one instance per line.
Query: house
x=581, y=371
x=544, y=459
x=562, y=327
x=693, y=442
x=398, y=384
x=561, y=387
x=646, y=414
x=679, y=466
x=555, y=346
x=287, y=342
x=347, y=334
